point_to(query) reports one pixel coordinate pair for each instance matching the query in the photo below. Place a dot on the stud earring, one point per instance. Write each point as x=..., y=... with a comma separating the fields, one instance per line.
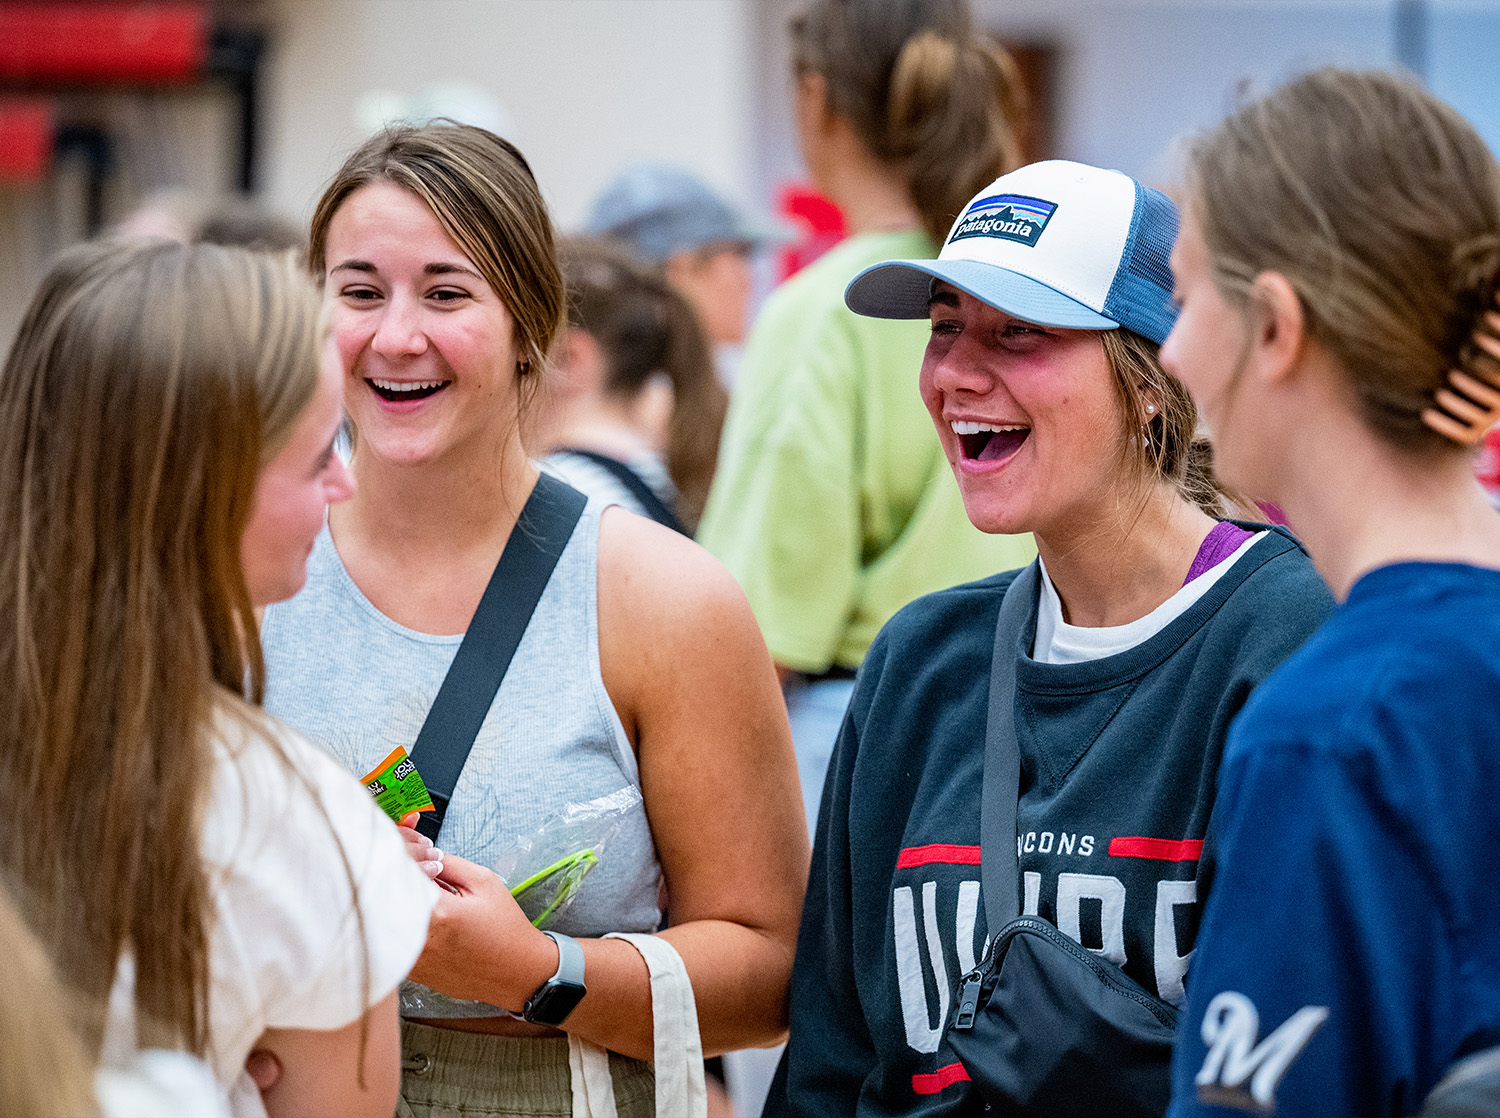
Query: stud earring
x=1150, y=409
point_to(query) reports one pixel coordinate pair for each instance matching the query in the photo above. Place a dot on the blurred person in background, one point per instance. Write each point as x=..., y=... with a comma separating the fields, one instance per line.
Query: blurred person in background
x=1337, y=272
x=242, y=221
x=634, y=409
x=671, y=219
x=640, y=669
x=206, y=878
x=180, y=215
x=833, y=504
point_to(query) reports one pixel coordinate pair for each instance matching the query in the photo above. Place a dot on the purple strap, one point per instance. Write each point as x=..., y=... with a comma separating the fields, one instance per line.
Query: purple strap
x=1222, y=541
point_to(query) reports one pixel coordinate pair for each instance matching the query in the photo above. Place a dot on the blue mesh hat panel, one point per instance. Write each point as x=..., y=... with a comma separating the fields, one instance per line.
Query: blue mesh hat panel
x=1140, y=298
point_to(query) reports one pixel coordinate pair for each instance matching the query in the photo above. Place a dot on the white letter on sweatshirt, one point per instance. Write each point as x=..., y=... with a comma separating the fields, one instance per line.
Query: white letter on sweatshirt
x=921, y=1033
x=1110, y=892
x=1170, y=966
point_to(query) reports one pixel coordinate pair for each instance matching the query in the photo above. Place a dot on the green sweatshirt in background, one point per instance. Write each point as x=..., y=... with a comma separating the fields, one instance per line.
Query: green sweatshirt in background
x=833, y=504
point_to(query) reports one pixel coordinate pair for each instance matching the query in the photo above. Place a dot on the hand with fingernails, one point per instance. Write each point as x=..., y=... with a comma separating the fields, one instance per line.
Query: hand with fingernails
x=420, y=847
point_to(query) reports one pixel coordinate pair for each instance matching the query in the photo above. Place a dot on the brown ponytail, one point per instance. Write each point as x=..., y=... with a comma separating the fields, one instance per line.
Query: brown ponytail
x=925, y=93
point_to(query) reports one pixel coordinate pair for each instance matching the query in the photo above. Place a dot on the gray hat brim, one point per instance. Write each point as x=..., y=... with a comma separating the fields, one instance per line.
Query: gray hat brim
x=903, y=289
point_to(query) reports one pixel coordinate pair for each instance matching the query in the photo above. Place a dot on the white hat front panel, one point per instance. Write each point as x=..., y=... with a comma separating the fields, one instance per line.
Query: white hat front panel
x=1061, y=223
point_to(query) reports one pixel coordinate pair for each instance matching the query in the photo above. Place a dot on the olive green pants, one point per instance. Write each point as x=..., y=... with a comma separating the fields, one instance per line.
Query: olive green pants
x=449, y=1074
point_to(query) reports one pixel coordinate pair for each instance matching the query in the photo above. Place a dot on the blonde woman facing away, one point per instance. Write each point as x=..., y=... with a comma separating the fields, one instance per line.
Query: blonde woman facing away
x=641, y=668
x=205, y=878
x=832, y=503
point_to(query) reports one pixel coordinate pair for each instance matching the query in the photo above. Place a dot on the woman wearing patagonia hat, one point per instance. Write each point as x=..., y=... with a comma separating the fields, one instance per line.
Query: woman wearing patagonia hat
x=1148, y=621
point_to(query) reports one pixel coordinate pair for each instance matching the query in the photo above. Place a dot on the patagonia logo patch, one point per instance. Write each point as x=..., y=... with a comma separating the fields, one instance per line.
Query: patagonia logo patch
x=1013, y=217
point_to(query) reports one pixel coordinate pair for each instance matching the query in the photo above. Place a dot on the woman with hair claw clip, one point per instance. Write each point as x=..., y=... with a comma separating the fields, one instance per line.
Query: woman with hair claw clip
x=1337, y=273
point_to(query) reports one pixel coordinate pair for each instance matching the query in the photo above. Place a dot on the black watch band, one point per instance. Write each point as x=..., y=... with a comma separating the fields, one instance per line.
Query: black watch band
x=560, y=994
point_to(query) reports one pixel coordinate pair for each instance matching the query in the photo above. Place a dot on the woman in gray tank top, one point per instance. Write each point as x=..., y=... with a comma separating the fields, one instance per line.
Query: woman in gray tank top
x=642, y=665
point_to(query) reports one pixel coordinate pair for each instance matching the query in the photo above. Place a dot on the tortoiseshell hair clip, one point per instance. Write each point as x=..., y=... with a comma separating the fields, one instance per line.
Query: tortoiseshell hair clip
x=1469, y=405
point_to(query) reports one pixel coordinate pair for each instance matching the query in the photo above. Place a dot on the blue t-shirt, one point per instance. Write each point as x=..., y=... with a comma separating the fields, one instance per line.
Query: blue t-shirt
x=1350, y=948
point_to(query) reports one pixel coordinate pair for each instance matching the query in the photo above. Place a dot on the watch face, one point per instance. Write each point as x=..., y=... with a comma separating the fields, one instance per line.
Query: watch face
x=551, y=1004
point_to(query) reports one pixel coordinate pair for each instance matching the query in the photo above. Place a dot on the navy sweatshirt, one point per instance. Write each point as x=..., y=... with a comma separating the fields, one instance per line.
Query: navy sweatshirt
x=1118, y=764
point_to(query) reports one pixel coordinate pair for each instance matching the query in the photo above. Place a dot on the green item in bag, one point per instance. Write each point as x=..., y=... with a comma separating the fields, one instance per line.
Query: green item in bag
x=547, y=890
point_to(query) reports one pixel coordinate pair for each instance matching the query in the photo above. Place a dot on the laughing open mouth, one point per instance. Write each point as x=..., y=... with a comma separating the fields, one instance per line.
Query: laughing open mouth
x=986, y=442
x=396, y=391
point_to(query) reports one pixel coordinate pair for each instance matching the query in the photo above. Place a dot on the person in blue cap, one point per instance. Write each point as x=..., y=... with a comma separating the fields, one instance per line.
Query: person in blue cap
x=671, y=219
x=1150, y=620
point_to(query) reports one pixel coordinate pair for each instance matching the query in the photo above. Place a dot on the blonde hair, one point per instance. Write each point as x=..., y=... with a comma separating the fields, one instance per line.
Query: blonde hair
x=925, y=93
x=1380, y=205
x=483, y=194
x=43, y=1069
x=146, y=386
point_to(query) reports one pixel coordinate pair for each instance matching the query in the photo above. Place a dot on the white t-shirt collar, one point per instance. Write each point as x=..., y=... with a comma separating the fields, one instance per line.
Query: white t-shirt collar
x=1057, y=642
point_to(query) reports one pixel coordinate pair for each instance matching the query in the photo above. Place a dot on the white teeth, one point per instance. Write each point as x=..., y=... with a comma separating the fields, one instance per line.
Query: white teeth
x=964, y=427
x=406, y=386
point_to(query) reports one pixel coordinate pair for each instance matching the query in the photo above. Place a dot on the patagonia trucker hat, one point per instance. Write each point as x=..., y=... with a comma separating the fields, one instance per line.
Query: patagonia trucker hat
x=1054, y=243
x=659, y=210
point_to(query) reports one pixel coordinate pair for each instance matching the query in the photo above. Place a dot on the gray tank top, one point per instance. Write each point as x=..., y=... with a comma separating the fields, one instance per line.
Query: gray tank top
x=346, y=675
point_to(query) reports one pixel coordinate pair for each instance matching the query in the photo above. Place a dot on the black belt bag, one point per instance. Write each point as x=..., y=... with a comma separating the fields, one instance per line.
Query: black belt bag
x=1043, y=1025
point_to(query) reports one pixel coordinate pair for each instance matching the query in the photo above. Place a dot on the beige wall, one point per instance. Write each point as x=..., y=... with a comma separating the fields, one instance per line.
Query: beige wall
x=589, y=84
x=180, y=138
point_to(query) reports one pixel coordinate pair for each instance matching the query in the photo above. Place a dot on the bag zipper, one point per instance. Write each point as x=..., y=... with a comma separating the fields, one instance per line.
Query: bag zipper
x=973, y=985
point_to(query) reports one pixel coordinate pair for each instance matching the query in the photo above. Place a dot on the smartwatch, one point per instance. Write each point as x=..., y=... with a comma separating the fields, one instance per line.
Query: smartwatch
x=560, y=994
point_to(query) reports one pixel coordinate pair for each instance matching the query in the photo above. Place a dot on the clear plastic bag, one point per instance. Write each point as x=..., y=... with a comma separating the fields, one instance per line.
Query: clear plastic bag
x=545, y=871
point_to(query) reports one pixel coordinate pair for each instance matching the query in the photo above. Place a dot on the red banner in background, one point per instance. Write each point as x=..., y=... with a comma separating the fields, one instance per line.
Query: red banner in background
x=68, y=43
x=28, y=127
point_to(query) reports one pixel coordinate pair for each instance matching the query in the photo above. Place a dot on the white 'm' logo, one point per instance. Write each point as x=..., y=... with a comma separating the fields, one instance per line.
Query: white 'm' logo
x=1230, y=1027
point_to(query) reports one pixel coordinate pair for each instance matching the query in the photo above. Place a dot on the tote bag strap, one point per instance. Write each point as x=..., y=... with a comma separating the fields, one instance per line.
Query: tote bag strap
x=1002, y=758
x=536, y=544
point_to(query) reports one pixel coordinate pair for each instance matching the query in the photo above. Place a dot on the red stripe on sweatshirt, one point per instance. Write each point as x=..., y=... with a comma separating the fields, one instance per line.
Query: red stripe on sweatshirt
x=943, y=853
x=933, y=1082
x=1163, y=850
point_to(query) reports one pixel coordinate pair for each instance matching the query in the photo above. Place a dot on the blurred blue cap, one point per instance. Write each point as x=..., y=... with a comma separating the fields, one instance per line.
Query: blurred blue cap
x=659, y=210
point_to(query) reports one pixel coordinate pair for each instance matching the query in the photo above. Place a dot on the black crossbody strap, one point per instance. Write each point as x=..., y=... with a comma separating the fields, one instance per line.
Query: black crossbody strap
x=653, y=505
x=536, y=543
x=1002, y=759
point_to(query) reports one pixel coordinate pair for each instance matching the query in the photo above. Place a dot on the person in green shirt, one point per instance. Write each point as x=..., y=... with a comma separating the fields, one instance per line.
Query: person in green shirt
x=833, y=503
